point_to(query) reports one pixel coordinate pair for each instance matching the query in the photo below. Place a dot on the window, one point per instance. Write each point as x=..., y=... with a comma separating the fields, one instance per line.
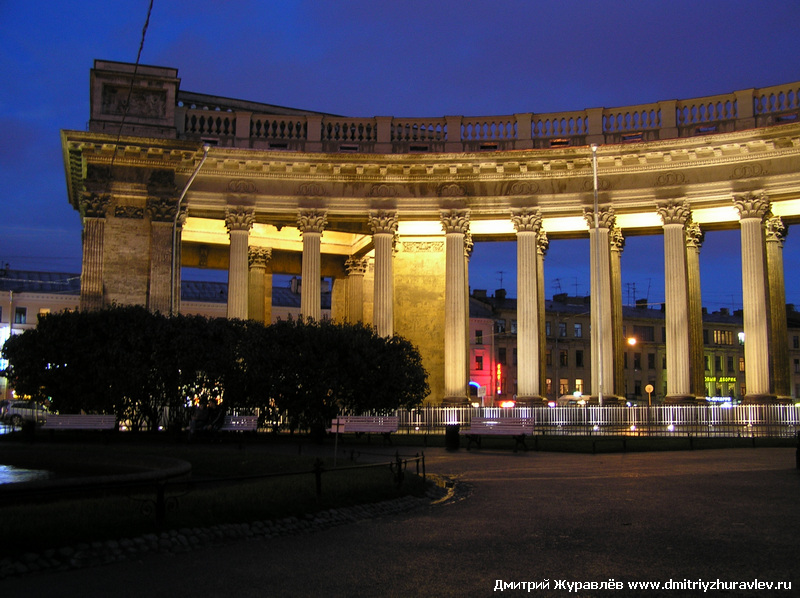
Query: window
x=717, y=363
x=651, y=361
x=563, y=358
x=549, y=358
x=705, y=336
x=795, y=341
x=578, y=330
x=723, y=337
x=579, y=358
x=730, y=363
x=637, y=387
x=479, y=362
x=501, y=355
x=644, y=333
x=741, y=365
x=637, y=361
x=499, y=326
x=797, y=366
x=547, y=328
x=562, y=329
x=479, y=337
x=549, y=386
x=21, y=315
x=514, y=356
x=579, y=385
x=513, y=326
x=625, y=360
x=563, y=386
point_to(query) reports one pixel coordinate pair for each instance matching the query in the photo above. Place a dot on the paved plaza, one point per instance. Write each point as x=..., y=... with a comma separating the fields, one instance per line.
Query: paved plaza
x=552, y=519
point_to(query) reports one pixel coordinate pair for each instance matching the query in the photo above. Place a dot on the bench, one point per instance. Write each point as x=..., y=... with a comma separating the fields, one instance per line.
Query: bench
x=239, y=423
x=516, y=427
x=80, y=422
x=365, y=424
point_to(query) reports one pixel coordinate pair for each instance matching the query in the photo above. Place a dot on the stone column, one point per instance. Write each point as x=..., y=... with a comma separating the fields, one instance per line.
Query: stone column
x=617, y=245
x=527, y=223
x=354, y=294
x=694, y=241
x=311, y=224
x=162, y=212
x=93, y=209
x=455, y=224
x=602, y=338
x=779, y=348
x=541, y=252
x=383, y=224
x=258, y=296
x=238, y=221
x=752, y=210
x=469, y=245
x=675, y=214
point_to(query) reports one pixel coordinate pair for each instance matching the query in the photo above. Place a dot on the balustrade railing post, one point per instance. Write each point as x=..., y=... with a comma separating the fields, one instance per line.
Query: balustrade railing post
x=745, y=115
x=669, y=119
x=453, y=142
x=595, y=133
x=383, y=144
x=313, y=133
x=243, y=129
x=524, y=131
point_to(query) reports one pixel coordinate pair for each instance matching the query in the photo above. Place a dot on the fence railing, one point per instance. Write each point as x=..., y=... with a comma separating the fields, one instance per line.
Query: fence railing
x=234, y=127
x=662, y=420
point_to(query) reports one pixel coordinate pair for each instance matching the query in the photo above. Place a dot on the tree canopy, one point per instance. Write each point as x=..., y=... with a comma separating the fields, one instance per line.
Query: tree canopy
x=148, y=368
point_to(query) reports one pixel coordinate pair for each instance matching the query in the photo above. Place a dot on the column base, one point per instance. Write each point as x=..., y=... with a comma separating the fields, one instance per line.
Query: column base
x=455, y=402
x=760, y=399
x=680, y=400
x=531, y=401
x=608, y=400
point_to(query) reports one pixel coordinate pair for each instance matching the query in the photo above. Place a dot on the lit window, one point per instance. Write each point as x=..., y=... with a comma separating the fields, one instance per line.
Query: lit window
x=21, y=315
x=479, y=362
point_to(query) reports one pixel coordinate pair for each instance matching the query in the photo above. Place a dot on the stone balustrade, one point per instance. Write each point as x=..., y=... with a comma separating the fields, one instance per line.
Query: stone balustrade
x=225, y=123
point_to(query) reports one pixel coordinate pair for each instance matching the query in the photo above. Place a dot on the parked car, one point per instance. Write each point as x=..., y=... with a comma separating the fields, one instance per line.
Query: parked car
x=17, y=412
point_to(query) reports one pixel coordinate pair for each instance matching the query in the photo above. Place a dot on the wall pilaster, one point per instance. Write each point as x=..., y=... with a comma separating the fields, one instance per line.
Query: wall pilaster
x=93, y=209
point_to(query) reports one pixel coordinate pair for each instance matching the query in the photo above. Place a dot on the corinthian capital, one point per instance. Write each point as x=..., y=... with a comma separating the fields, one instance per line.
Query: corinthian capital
x=751, y=205
x=383, y=221
x=543, y=243
x=258, y=257
x=94, y=205
x=617, y=239
x=162, y=209
x=356, y=266
x=694, y=235
x=674, y=211
x=527, y=220
x=776, y=230
x=239, y=218
x=312, y=221
x=605, y=217
x=455, y=221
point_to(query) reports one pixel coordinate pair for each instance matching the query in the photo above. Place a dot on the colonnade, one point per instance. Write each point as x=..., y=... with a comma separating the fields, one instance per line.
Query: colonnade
x=762, y=237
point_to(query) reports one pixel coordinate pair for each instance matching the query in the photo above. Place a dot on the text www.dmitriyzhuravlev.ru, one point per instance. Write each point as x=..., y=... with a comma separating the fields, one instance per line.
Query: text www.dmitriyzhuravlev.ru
x=613, y=584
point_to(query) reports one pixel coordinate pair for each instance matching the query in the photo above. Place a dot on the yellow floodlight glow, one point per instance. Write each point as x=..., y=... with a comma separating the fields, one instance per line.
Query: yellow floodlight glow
x=711, y=215
x=419, y=228
x=491, y=227
x=564, y=224
x=642, y=220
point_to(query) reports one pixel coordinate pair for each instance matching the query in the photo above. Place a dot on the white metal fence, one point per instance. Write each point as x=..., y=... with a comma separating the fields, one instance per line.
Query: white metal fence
x=664, y=420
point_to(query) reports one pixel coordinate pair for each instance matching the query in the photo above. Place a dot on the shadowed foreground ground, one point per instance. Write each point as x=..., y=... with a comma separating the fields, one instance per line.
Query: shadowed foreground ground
x=728, y=515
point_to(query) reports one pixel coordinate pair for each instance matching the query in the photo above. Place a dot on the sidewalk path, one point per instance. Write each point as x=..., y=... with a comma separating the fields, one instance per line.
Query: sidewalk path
x=728, y=515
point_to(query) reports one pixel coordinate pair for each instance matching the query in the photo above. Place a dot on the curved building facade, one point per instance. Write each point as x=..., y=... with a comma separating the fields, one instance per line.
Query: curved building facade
x=390, y=208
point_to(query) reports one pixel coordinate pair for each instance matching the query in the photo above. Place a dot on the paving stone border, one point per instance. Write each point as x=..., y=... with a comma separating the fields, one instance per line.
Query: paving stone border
x=185, y=539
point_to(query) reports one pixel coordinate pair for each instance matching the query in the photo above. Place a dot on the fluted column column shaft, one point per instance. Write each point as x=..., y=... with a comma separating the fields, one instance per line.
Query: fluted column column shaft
x=257, y=289
x=694, y=240
x=617, y=245
x=527, y=224
x=93, y=210
x=92, y=272
x=455, y=224
x=675, y=215
x=540, y=255
x=752, y=210
x=779, y=349
x=239, y=221
x=354, y=298
x=384, y=226
x=602, y=338
x=311, y=223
